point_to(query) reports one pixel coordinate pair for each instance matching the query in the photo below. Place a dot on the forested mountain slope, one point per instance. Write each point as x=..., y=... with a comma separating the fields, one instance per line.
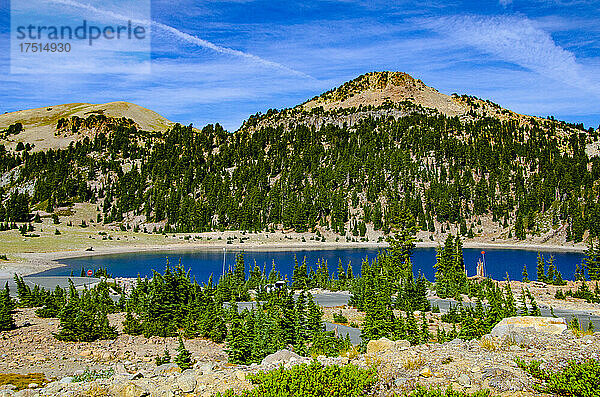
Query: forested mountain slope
x=353, y=160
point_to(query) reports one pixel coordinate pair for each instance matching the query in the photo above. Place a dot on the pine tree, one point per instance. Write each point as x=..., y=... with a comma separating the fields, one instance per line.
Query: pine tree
x=525, y=276
x=550, y=277
x=132, y=325
x=592, y=260
x=165, y=359
x=6, y=306
x=440, y=335
x=239, y=349
x=541, y=272
x=535, y=310
x=184, y=357
x=519, y=227
x=315, y=315
x=425, y=334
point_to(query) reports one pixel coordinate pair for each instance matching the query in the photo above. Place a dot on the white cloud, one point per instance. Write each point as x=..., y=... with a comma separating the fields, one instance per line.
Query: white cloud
x=505, y=3
x=519, y=41
x=186, y=37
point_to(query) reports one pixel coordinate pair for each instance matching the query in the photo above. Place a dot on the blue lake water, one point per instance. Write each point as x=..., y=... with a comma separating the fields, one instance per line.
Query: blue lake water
x=202, y=264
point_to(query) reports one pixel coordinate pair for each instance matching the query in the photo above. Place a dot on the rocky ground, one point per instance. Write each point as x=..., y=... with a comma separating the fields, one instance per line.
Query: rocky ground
x=473, y=365
x=464, y=365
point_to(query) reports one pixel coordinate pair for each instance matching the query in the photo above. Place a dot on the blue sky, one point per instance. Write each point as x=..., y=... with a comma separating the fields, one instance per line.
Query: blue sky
x=220, y=61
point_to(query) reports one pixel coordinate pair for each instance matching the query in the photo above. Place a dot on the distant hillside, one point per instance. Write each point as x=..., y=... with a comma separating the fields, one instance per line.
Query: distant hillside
x=358, y=162
x=40, y=125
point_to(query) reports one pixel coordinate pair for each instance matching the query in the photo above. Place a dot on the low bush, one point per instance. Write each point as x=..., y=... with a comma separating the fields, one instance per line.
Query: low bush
x=576, y=379
x=311, y=380
x=90, y=375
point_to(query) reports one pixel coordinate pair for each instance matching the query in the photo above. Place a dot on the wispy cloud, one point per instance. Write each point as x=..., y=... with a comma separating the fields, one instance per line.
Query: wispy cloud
x=517, y=40
x=186, y=37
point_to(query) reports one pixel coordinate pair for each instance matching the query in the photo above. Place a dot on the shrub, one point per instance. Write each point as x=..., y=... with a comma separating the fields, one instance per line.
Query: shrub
x=164, y=359
x=577, y=379
x=89, y=375
x=339, y=318
x=311, y=380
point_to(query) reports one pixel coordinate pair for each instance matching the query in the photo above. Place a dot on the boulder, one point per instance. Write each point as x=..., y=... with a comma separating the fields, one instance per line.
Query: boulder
x=379, y=345
x=548, y=325
x=280, y=356
x=464, y=380
x=204, y=367
x=129, y=390
x=426, y=372
x=187, y=383
x=167, y=369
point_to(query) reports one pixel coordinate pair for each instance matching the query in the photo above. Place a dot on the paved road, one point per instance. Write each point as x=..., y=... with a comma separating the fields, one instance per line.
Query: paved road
x=326, y=299
x=330, y=299
x=583, y=317
x=50, y=282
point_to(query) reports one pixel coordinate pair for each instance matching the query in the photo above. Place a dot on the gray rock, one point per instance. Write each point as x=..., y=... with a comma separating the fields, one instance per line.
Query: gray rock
x=120, y=369
x=280, y=356
x=521, y=339
x=399, y=382
x=187, y=383
x=137, y=375
x=519, y=324
x=66, y=380
x=53, y=388
x=204, y=367
x=166, y=369
x=464, y=380
x=27, y=393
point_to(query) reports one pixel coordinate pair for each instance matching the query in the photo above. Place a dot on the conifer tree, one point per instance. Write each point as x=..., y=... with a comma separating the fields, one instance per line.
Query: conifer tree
x=525, y=276
x=315, y=315
x=165, y=359
x=592, y=260
x=425, y=334
x=541, y=272
x=550, y=277
x=6, y=306
x=184, y=357
x=132, y=325
x=239, y=349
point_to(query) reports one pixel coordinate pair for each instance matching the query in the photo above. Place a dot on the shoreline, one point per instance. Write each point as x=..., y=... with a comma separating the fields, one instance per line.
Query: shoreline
x=38, y=262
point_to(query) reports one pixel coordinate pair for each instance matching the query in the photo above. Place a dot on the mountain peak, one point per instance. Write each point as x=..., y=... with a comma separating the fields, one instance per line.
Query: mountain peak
x=377, y=88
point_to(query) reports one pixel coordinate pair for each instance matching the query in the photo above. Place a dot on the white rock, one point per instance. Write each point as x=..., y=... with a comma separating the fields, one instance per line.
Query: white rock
x=186, y=383
x=549, y=325
x=280, y=356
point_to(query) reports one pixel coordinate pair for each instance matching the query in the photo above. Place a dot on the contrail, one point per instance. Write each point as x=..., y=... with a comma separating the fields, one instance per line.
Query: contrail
x=187, y=37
